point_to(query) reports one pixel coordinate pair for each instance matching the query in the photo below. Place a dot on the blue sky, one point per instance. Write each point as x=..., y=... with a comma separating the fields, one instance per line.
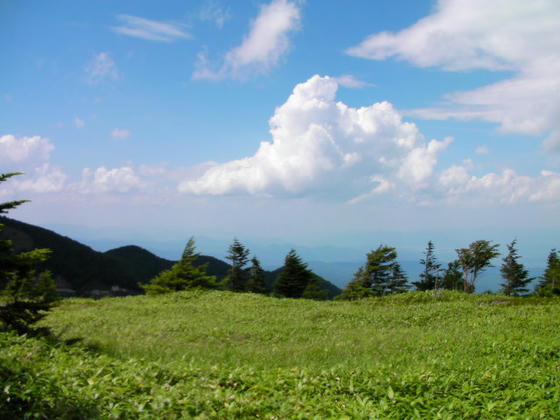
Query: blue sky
x=305, y=123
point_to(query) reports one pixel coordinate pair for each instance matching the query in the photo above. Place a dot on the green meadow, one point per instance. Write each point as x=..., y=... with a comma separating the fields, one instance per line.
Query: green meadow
x=223, y=355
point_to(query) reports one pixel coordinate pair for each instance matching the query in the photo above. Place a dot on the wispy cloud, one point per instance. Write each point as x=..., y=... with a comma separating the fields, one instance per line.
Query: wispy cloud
x=214, y=13
x=349, y=81
x=482, y=150
x=120, y=133
x=79, y=123
x=267, y=41
x=101, y=67
x=152, y=30
x=514, y=35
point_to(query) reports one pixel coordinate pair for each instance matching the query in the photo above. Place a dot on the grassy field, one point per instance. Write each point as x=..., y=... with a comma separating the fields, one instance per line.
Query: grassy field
x=225, y=355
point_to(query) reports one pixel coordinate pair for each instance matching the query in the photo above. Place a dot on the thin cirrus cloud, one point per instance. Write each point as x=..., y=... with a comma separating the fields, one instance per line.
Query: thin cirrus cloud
x=213, y=13
x=267, y=41
x=104, y=180
x=120, y=133
x=512, y=35
x=151, y=30
x=350, y=81
x=323, y=147
x=79, y=123
x=101, y=67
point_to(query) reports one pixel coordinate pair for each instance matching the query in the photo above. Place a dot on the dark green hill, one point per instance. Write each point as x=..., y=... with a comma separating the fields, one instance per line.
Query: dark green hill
x=143, y=265
x=74, y=265
x=79, y=268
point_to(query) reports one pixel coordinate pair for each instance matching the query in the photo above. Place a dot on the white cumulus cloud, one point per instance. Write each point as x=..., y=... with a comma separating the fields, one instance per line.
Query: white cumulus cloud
x=30, y=155
x=458, y=184
x=24, y=151
x=320, y=144
x=516, y=35
x=152, y=30
x=267, y=41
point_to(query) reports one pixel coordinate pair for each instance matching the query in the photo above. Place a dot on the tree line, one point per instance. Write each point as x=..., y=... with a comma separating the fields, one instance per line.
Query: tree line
x=381, y=274
x=245, y=274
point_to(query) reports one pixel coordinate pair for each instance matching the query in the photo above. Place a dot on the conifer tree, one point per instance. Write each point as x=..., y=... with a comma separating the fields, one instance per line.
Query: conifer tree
x=398, y=280
x=237, y=274
x=430, y=277
x=515, y=275
x=380, y=275
x=474, y=260
x=453, y=277
x=357, y=287
x=183, y=275
x=256, y=281
x=313, y=290
x=379, y=268
x=550, y=280
x=294, y=277
x=28, y=293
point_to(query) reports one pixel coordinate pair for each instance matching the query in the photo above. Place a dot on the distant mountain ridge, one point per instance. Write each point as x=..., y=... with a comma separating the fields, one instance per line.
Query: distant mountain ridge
x=79, y=269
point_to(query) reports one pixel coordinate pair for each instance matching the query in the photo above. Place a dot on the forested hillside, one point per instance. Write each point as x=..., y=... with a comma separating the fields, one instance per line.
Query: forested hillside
x=80, y=269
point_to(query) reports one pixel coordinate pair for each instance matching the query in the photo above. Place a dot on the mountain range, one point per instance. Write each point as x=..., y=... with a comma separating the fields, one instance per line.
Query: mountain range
x=80, y=270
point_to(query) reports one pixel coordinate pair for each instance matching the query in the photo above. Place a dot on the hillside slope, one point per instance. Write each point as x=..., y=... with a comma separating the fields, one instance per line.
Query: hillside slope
x=79, y=268
x=75, y=266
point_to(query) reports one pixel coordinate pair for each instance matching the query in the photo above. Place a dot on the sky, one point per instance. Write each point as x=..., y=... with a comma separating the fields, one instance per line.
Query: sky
x=324, y=125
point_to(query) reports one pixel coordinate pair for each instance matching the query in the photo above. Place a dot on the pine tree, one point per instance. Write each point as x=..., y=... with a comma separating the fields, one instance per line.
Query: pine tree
x=474, y=260
x=313, y=289
x=514, y=274
x=431, y=276
x=380, y=275
x=453, y=277
x=256, y=281
x=28, y=293
x=550, y=280
x=237, y=274
x=398, y=280
x=183, y=275
x=294, y=277
x=357, y=287
x=379, y=268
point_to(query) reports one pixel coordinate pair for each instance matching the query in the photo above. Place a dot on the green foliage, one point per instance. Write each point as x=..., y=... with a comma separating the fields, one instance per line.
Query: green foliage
x=313, y=289
x=256, y=282
x=9, y=205
x=550, y=281
x=398, y=280
x=515, y=275
x=27, y=293
x=435, y=354
x=294, y=277
x=453, y=277
x=380, y=275
x=237, y=277
x=474, y=260
x=431, y=276
x=182, y=276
